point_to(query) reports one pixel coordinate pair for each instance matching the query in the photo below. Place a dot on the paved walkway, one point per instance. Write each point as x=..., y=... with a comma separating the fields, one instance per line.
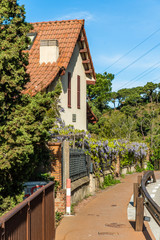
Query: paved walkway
x=104, y=217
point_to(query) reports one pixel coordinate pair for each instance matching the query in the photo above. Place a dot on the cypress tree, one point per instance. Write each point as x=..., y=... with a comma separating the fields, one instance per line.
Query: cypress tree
x=24, y=120
x=13, y=60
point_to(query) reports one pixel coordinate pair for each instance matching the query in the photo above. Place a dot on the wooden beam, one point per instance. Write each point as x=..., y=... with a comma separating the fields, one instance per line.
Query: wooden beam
x=91, y=82
x=83, y=50
x=82, y=39
x=88, y=71
x=86, y=61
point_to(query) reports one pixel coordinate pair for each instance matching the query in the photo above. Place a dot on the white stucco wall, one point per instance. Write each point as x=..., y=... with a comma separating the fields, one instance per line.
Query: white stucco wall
x=75, y=67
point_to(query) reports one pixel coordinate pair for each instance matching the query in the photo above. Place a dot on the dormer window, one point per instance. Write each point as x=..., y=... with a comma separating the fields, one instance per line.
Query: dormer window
x=32, y=37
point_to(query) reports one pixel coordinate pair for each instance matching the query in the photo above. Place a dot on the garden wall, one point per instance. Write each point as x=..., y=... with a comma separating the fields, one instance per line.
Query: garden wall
x=81, y=187
x=56, y=172
x=56, y=161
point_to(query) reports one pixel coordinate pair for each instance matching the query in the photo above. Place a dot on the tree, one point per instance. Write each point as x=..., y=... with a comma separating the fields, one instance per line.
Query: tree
x=13, y=60
x=122, y=94
x=99, y=94
x=24, y=120
x=115, y=125
x=113, y=98
x=129, y=96
x=149, y=89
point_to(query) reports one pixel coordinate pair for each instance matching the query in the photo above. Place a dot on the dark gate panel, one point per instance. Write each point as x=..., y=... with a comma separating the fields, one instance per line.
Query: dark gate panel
x=79, y=164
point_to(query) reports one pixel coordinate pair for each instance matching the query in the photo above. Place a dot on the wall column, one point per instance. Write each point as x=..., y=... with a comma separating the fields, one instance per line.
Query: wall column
x=65, y=163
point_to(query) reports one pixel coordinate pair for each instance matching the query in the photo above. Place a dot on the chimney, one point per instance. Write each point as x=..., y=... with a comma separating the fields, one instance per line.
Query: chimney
x=49, y=51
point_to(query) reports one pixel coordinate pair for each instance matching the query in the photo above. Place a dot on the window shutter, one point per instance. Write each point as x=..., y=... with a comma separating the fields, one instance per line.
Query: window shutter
x=69, y=90
x=78, y=92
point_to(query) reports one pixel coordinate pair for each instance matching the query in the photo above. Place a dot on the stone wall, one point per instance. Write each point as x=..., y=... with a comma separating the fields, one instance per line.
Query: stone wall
x=82, y=187
x=56, y=172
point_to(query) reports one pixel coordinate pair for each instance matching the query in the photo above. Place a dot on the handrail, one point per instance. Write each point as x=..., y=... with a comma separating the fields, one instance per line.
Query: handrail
x=150, y=204
x=23, y=204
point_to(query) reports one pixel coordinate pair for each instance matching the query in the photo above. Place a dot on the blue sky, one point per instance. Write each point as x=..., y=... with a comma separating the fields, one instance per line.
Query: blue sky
x=113, y=28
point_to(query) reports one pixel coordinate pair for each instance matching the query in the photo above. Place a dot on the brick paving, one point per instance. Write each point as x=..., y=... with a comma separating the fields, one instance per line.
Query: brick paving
x=104, y=217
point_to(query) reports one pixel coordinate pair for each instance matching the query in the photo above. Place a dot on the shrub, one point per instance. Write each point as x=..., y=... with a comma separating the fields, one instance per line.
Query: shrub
x=109, y=180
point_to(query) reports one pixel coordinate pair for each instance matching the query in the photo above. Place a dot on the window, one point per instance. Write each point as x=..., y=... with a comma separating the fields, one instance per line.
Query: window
x=78, y=92
x=73, y=117
x=69, y=90
x=32, y=37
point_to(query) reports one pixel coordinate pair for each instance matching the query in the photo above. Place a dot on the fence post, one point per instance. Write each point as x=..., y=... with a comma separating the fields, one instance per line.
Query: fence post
x=135, y=193
x=153, y=176
x=139, y=180
x=43, y=215
x=68, y=197
x=139, y=213
x=118, y=166
x=2, y=234
x=74, y=140
x=28, y=222
x=65, y=163
x=83, y=144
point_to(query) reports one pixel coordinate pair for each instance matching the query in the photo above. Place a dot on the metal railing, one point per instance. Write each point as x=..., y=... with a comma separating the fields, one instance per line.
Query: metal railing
x=149, y=203
x=79, y=164
x=32, y=219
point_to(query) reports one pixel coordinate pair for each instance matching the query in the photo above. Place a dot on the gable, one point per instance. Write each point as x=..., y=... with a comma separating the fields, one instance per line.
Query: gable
x=67, y=33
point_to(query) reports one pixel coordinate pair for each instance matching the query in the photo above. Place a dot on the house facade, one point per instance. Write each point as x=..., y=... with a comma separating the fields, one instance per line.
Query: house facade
x=60, y=50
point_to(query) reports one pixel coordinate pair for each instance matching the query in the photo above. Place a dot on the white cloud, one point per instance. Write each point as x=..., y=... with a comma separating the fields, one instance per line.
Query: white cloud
x=78, y=15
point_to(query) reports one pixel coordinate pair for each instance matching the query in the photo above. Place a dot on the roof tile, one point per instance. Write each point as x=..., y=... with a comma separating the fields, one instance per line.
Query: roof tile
x=67, y=33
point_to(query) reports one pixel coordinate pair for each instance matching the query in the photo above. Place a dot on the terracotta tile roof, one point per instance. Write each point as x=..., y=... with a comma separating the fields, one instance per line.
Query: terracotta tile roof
x=67, y=34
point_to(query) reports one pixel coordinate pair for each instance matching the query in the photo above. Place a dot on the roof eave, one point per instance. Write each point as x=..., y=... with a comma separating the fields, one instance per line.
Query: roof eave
x=89, y=54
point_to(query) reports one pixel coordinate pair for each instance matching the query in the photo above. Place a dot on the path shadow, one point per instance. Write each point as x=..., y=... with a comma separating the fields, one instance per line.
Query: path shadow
x=145, y=231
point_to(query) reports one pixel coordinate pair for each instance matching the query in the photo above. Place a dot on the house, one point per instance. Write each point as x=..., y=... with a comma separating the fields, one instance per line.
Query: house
x=60, y=50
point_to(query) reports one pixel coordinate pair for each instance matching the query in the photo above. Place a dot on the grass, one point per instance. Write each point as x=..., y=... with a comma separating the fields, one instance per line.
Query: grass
x=72, y=208
x=109, y=180
x=58, y=217
x=139, y=169
x=122, y=175
x=87, y=196
x=129, y=172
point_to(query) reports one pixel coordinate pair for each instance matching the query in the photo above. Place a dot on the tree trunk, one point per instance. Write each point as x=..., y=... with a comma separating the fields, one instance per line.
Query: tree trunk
x=142, y=131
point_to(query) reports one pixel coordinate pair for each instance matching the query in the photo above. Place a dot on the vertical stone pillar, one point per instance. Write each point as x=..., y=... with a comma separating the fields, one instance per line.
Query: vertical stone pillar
x=65, y=163
x=56, y=161
x=118, y=166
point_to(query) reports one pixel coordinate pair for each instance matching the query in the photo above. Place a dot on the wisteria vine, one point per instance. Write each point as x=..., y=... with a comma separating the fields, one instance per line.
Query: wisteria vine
x=103, y=152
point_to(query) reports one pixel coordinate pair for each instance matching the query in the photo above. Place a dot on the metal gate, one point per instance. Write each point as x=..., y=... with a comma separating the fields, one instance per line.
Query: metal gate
x=79, y=164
